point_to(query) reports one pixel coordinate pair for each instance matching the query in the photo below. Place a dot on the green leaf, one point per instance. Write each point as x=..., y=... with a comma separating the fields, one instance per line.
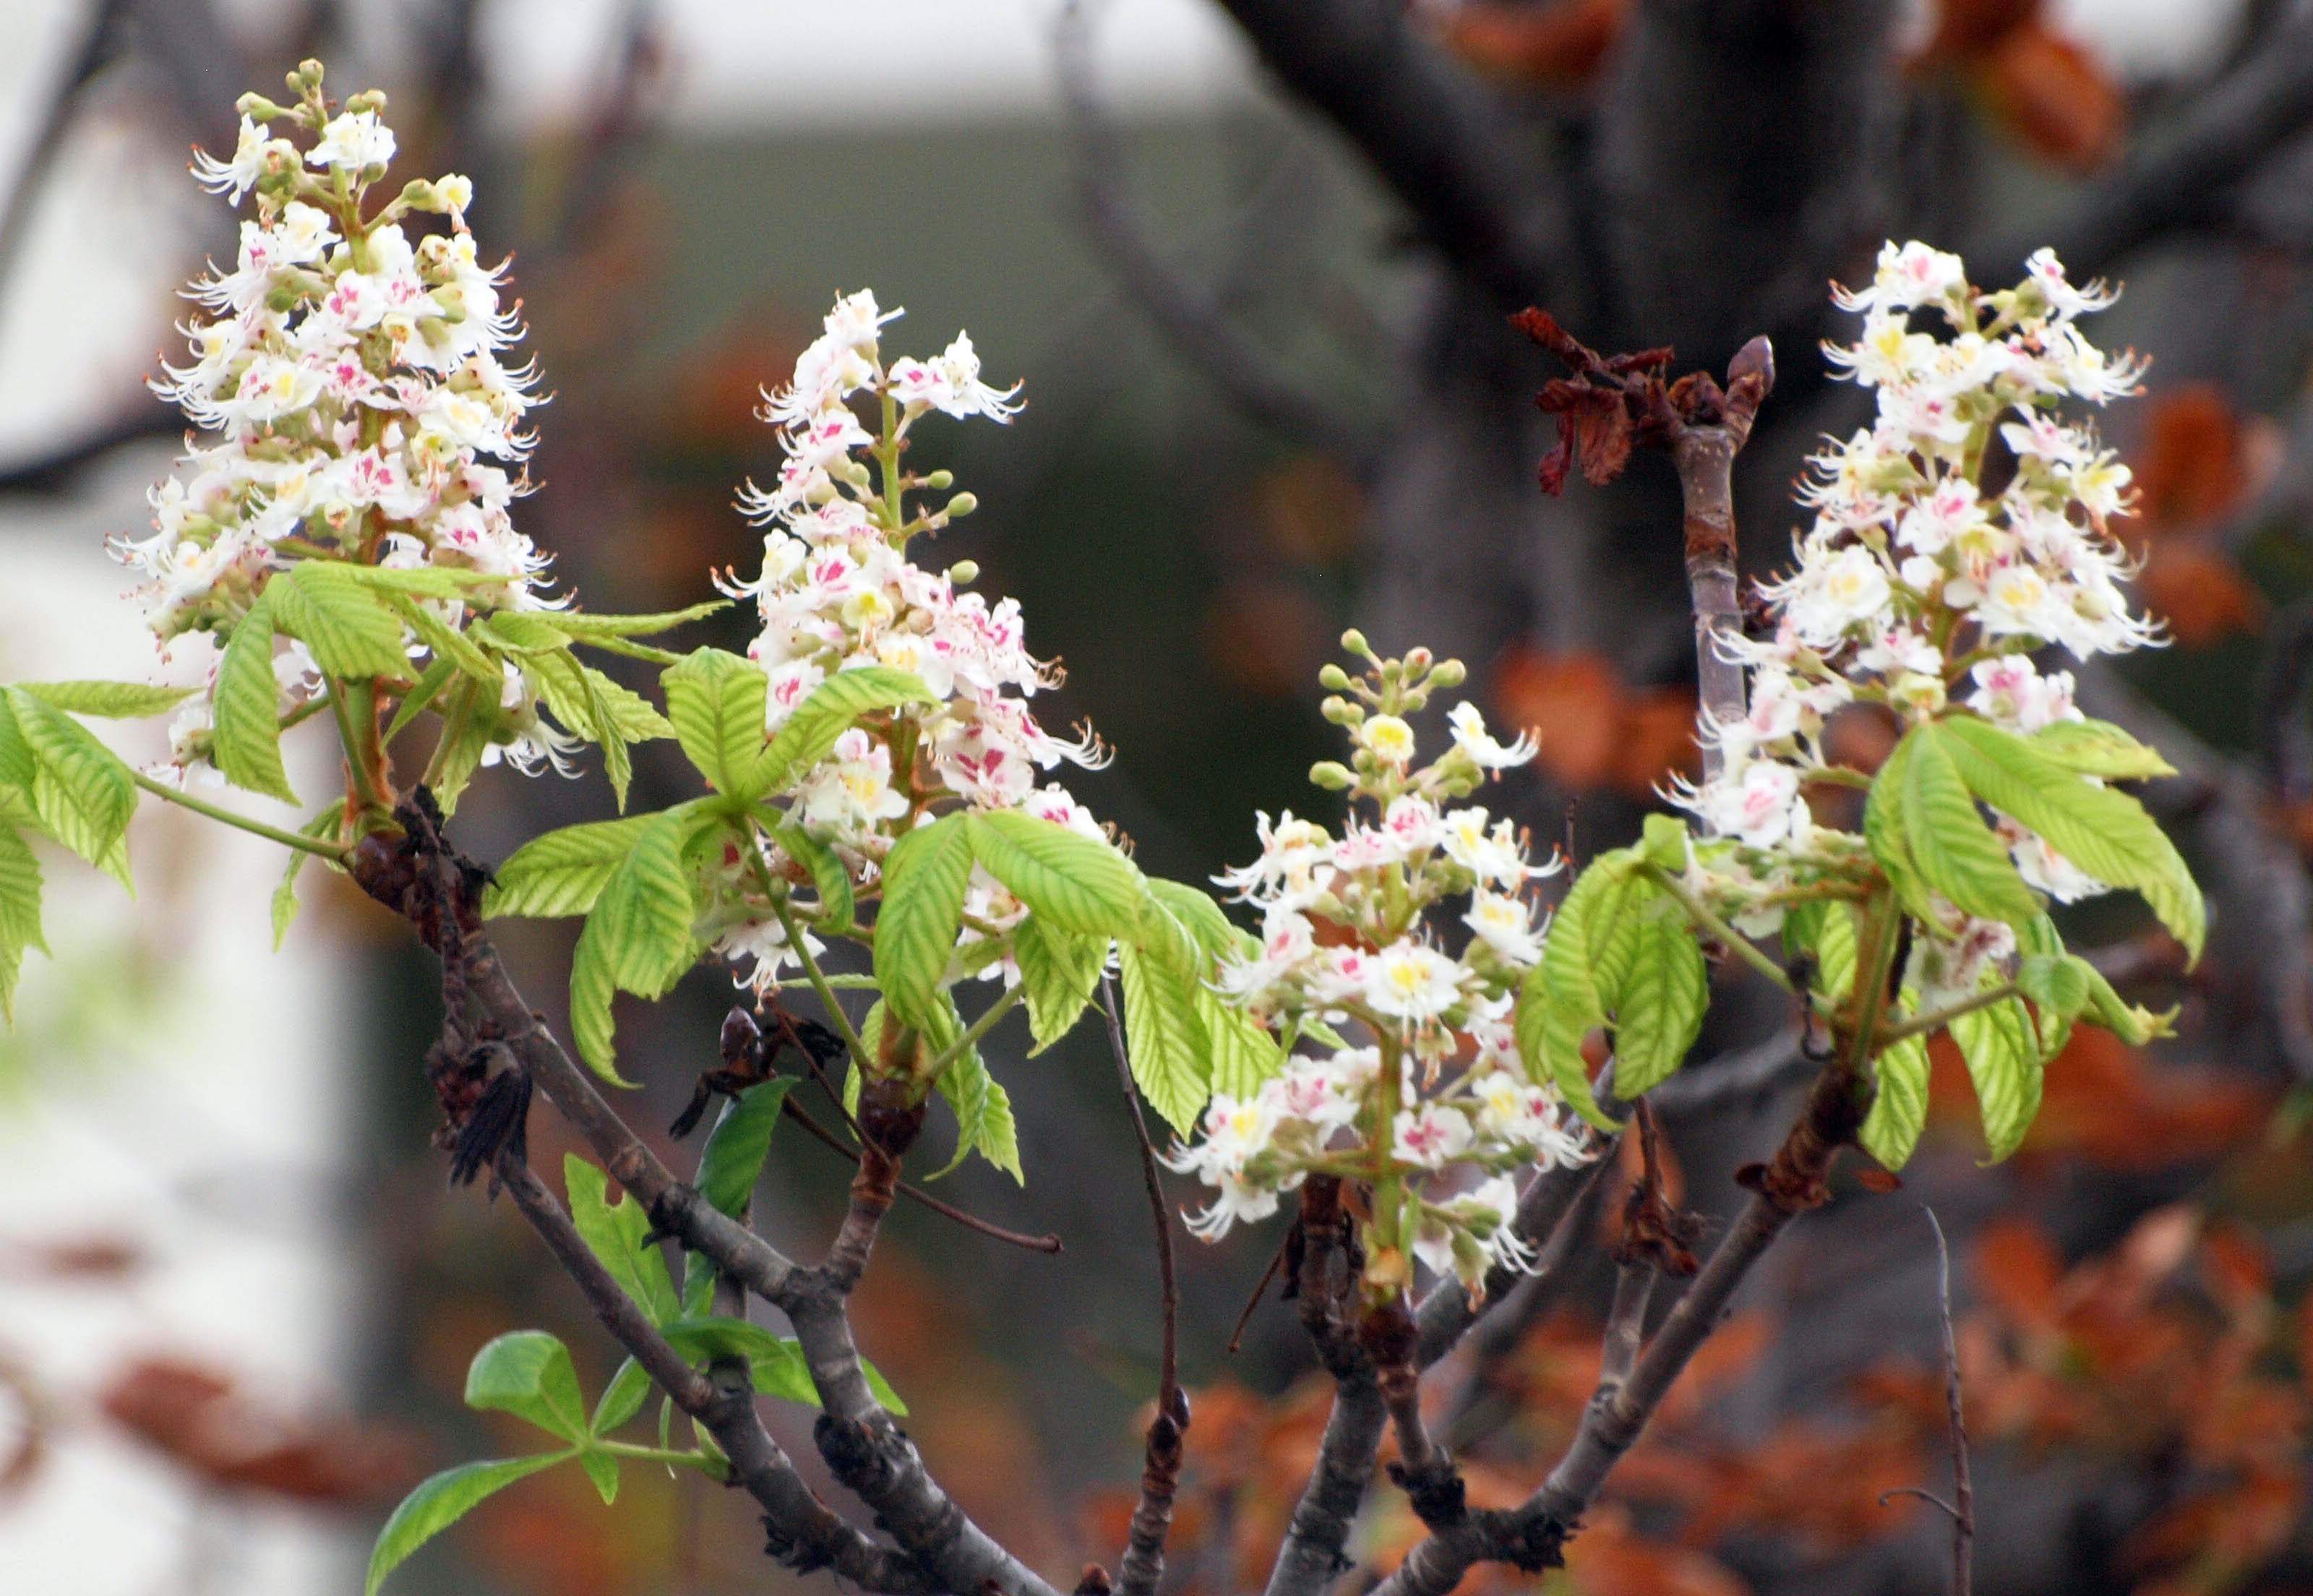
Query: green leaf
x=776, y=1363
x=320, y=828
x=528, y=1373
x=584, y=624
x=1899, y=1108
x=716, y=701
x=2003, y=1060
x=1885, y=832
x=521, y=632
x=1659, y=1007
x=829, y=877
x=563, y=872
x=1069, y=879
x=1574, y=987
x=924, y=880
x=826, y=714
x=2103, y=831
x=2099, y=748
x=983, y=1115
x=441, y=1502
x=18, y=765
x=618, y=1233
x=447, y=641
x=1664, y=843
x=638, y=937
x=1059, y=971
x=414, y=703
x=1244, y=1053
x=603, y=1469
x=733, y=1159
x=1954, y=852
x=1825, y=930
x=1166, y=1037
x=435, y=581
x=82, y=792
x=622, y=1398
x=245, y=744
x=118, y=700
x=20, y=914
x=1212, y=931
x=342, y=623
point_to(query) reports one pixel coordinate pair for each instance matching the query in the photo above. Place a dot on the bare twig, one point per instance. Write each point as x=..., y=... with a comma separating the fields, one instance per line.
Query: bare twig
x=1196, y=324
x=1962, y=1508
x=1046, y=1243
x=1160, y=1475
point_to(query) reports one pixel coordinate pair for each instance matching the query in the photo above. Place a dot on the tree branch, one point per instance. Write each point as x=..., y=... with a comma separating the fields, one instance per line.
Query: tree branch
x=1194, y=323
x=2187, y=175
x=805, y=1534
x=1434, y=136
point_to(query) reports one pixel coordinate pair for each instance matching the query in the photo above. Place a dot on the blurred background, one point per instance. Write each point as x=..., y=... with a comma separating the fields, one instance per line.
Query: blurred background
x=1253, y=260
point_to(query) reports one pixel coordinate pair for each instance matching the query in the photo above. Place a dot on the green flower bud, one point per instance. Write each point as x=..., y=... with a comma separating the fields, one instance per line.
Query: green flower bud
x=1355, y=642
x=1449, y=674
x=1332, y=776
x=1334, y=678
x=940, y=481
x=960, y=506
x=964, y=570
x=257, y=108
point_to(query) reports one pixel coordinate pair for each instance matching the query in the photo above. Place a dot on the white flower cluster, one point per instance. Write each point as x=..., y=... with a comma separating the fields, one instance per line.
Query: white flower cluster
x=350, y=381
x=838, y=590
x=1352, y=928
x=1964, y=531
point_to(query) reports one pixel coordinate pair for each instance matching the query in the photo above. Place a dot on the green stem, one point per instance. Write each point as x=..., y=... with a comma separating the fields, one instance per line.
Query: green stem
x=1708, y=920
x=257, y=828
x=1921, y=1025
x=351, y=743
x=819, y=984
x=1872, y=979
x=657, y=1454
x=979, y=1027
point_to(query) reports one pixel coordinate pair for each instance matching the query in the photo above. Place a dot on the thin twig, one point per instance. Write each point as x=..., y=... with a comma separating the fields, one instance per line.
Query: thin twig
x=1046, y=1243
x=1143, y=1568
x=1962, y=1503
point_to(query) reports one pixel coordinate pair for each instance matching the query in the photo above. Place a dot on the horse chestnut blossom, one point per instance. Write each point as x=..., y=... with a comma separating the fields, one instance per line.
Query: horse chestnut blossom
x=348, y=377
x=1355, y=935
x=838, y=590
x=1963, y=533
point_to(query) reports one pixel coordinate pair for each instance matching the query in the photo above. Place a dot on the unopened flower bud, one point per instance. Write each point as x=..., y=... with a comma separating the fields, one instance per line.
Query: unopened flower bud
x=960, y=506
x=940, y=481
x=1332, y=775
x=1333, y=678
x=964, y=570
x=1449, y=674
x=1340, y=711
x=257, y=108
x=1418, y=660
x=308, y=76
x=1355, y=642
x=369, y=100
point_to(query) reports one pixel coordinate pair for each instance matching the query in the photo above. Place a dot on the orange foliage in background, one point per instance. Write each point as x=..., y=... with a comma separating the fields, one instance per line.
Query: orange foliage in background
x=1594, y=730
x=2199, y=462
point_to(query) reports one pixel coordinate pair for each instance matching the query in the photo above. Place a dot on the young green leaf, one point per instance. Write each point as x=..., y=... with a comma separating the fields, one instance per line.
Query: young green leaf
x=118, y=700
x=1166, y=1038
x=603, y=1469
x=829, y=877
x=322, y=827
x=621, y=1399
x=342, y=623
x=1059, y=971
x=825, y=715
x=2099, y=748
x=1825, y=930
x=1954, y=852
x=2003, y=1060
x=20, y=914
x=1899, y=1108
x=777, y=1361
x=733, y=1159
x=1244, y=1053
x=1885, y=832
x=619, y=1234
x=586, y=625
x=246, y=740
x=1658, y=1009
x=447, y=641
x=2103, y=831
x=528, y=1373
x=563, y=872
x=82, y=792
x=1573, y=988
x=638, y=937
x=1200, y=916
x=983, y=1115
x=441, y=1502
x=715, y=703
x=1074, y=882
x=924, y=880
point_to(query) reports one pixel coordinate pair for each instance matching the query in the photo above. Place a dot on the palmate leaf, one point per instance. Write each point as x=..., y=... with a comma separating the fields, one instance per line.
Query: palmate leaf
x=586, y=625
x=1073, y=882
x=1899, y=1107
x=1955, y=852
x=1659, y=1006
x=1059, y=971
x=1572, y=989
x=983, y=1115
x=20, y=914
x=826, y=714
x=715, y=701
x=732, y=1161
x=564, y=871
x=1166, y=1038
x=441, y=1502
x=619, y=1235
x=245, y=743
x=777, y=1363
x=2004, y=1061
x=82, y=792
x=529, y=1374
x=322, y=827
x=118, y=700
x=343, y=622
x=2099, y=748
x=2103, y=831
x=638, y=937
x=923, y=881
x=447, y=641
x=1243, y=1053
x=829, y=877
